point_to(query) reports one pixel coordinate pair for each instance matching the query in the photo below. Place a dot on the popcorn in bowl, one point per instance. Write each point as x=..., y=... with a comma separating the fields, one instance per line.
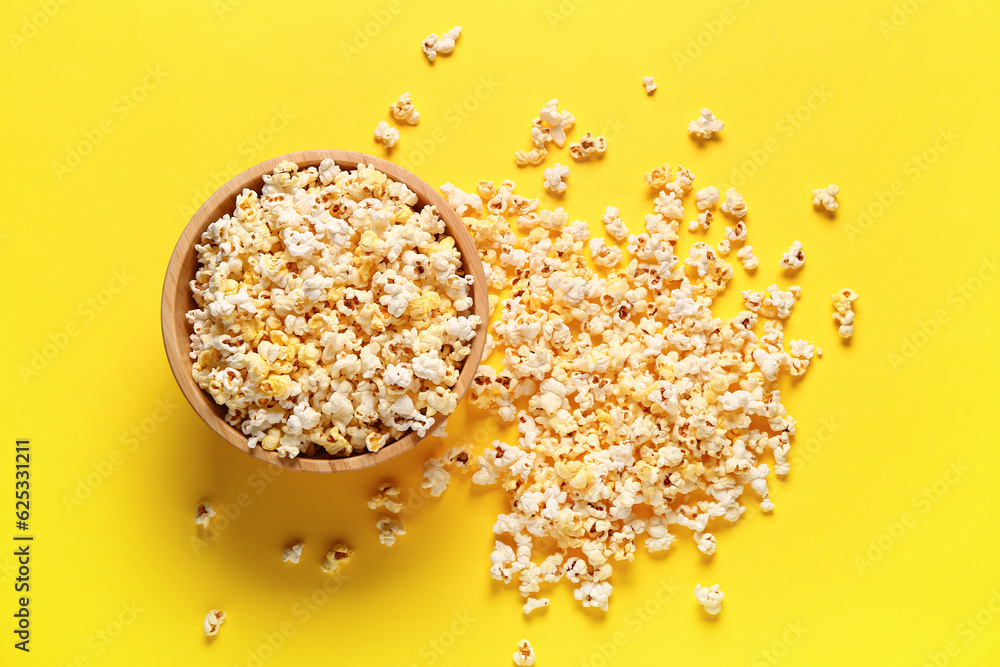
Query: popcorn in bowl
x=333, y=314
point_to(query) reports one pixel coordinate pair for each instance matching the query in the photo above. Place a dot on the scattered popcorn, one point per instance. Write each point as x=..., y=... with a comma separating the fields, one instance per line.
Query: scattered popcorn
x=388, y=529
x=524, y=655
x=293, y=554
x=626, y=390
x=338, y=556
x=213, y=620
x=723, y=247
x=707, y=197
x=843, y=306
x=705, y=126
x=793, y=257
x=403, y=110
x=734, y=204
x=555, y=178
x=203, y=513
x=604, y=255
x=551, y=126
x=388, y=497
x=435, y=477
x=387, y=135
x=709, y=598
x=747, y=258
x=532, y=157
x=613, y=224
x=648, y=84
x=737, y=233
x=589, y=146
x=826, y=197
x=310, y=291
x=435, y=46
x=702, y=221
x=531, y=604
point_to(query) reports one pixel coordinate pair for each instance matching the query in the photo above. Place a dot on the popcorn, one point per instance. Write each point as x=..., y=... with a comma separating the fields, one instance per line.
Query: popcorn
x=388, y=529
x=387, y=135
x=433, y=46
x=648, y=84
x=525, y=654
x=605, y=255
x=403, y=110
x=293, y=554
x=826, y=198
x=613, y=224
x=705, y=126
x=709, y=598
x=554, y=124
x=531, y=604
x=747, y=258
x=734, y=204
x=793, y=257
x=589, y=146
x=336, y=557
x=314, y=299
x=657, y=178
x=843, y=306
x=203, y=513
x=707, y=197
x=213, y=621
x=555, y=178
x=435, y=477
x=388, y=497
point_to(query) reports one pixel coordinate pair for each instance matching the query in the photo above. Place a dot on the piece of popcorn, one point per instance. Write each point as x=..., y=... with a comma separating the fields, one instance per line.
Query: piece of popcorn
x=531, y=604
x=709, y=598
x=403, y=110
x=613, y=224
x=737, y=233
x=701, y=221
x=435, y=477
x=555, y=178
x=387, y=496
x=434, y=46
x=648, y=84
x=605, y=255
x=793, y=258
x=388, y=530
x=589, y=146
x=336, y=557
x=534, y=156
x=723, y=247
x=826, y=198
x=553, y=124
x=293, y=554
x=658, y=177
x=843, y=306
x=213, y=621
x=747, y=258
x=705, y=126
x=734, y=204
x=203, y=513
x=707, y=197
x=387, y=135
x=525, y=654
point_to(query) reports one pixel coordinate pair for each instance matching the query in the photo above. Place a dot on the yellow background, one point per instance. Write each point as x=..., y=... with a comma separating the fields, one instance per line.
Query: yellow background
x=875, y=554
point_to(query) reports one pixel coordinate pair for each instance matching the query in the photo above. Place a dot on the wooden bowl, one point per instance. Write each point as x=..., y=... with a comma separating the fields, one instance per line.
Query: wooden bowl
x=178, y=300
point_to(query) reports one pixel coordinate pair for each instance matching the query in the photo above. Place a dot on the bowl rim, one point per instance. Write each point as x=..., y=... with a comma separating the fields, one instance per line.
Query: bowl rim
x=176, y=330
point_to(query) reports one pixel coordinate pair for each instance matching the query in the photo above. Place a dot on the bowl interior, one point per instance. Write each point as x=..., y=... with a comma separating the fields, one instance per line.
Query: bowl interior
x=178, y=300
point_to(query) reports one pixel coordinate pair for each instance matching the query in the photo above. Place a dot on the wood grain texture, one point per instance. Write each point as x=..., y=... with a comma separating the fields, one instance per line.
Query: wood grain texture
x=178, y=300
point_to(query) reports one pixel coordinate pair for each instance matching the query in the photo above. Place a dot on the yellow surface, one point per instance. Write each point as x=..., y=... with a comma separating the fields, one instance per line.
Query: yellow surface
x=878, y=552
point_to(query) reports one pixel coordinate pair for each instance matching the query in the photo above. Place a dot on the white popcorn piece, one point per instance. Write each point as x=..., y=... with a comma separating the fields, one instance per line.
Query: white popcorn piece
x=404, y=111
x=604, y=255
x=588, y=147
x=387, y=496
x=613, y=224
x=213, y=621
x=385, y=134
x=293, y=554
x=555, y=178
x=709, y=598
x=435, y=477
x=793, y=258
x=826, y=198
x=524, y=656
x=533, y=157
x=531, y=604
x=734, y=204
x=388, y=530
x=747, y=258
x=203, y=513
x=336, y=558
x=649, y=84
x=707, y=197
x=843, y=306
x=702, y=221
x=705, y=126
x=433, y=46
